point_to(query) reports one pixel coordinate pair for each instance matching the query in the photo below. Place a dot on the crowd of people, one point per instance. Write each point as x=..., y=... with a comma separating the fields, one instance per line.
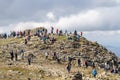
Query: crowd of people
x=3, y=36
x=55, y=56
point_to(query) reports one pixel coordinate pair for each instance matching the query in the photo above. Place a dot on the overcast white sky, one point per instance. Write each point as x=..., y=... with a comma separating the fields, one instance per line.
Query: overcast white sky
x=98, y=18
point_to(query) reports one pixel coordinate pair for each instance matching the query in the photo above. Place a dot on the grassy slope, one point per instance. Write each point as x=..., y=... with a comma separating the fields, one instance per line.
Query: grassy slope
x=25, y=71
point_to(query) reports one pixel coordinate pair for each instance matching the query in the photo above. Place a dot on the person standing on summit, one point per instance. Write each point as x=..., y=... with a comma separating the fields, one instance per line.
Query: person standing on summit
x=75, y=32
x=81, y=33
x=57, y=31
x=52, y=29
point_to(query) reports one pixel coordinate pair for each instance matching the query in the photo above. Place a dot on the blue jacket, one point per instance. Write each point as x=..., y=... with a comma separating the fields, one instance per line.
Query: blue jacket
x=94, y=72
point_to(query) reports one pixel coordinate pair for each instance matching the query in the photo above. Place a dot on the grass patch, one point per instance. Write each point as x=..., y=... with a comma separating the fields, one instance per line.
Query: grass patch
x=10, y=40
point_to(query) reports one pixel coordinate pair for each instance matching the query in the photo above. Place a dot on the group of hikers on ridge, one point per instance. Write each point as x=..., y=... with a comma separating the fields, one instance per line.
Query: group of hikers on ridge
x=43, y=35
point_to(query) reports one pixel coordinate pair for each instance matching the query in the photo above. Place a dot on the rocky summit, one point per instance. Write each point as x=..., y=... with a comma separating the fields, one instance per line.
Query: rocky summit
x=39, y=55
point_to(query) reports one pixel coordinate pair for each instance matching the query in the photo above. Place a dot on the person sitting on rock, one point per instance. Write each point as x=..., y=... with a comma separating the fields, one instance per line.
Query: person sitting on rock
x=111, y=70
x=94, y=72
x=114, y=70
x=52, y=40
